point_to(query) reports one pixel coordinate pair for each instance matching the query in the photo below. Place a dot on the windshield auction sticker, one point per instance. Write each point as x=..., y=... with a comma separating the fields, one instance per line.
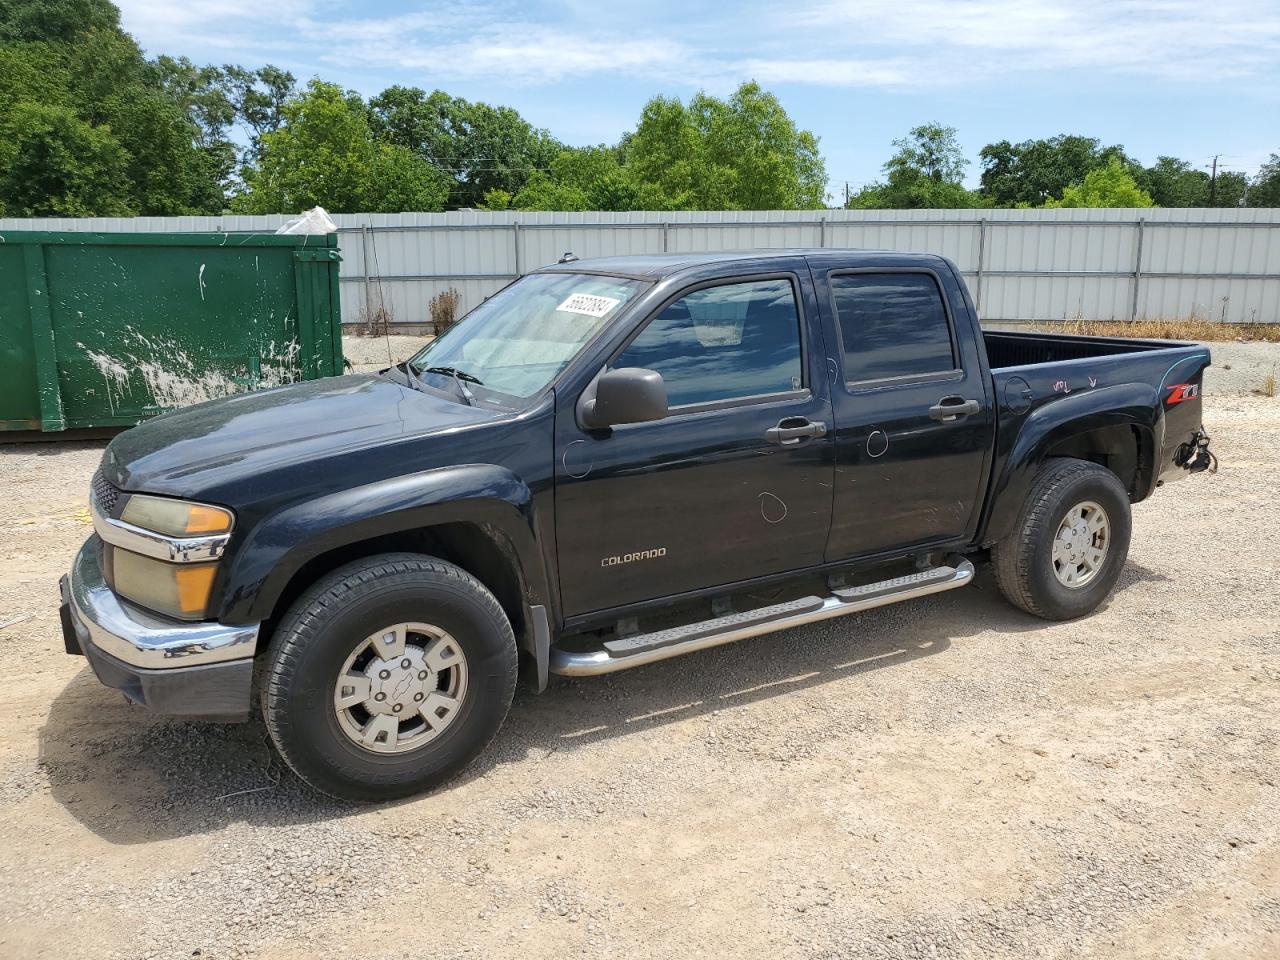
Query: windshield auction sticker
x=589, y=305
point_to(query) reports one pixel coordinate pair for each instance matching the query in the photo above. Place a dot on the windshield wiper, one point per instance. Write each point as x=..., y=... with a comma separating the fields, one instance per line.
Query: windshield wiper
x=455, y=372
x=458, y=376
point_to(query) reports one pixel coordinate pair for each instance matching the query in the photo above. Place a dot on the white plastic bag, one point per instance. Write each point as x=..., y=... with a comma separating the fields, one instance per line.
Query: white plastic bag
x=315, y=220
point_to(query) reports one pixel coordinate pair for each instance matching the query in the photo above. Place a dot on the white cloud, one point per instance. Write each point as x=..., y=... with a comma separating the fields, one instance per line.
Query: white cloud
x=1158, y=38
x=514, y=51
x=833, y=43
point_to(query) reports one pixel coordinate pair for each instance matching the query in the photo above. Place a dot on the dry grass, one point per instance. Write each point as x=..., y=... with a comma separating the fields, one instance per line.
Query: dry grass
x=444, y=310
x=1269, y=385
x=1194, y=328
x=377, y=325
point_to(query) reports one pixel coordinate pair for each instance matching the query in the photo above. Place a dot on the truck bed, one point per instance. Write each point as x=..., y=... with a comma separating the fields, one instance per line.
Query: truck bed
x=1016, y=349
x=1099, y=376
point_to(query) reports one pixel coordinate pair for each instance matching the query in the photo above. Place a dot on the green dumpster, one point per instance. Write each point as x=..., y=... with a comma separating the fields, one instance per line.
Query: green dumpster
x=107, y=329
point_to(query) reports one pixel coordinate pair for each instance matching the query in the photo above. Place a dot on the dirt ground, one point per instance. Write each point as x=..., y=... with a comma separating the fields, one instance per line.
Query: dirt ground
x=945, y=778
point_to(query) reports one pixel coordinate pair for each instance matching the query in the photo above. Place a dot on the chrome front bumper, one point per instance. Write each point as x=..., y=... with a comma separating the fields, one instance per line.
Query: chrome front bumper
x=200, y=670
x=142, y=639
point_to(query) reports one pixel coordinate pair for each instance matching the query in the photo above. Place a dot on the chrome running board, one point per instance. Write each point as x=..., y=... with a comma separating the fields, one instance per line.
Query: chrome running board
x=642, y=648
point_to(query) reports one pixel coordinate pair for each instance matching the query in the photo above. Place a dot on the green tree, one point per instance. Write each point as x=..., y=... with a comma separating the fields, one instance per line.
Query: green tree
x=57, y=20
x=1109, y=186
x=926, y=172
x=326, y=154
x=588, y=178
x=257, y=99
x=1175, y=183
x=744, y=153
x=1031, y=172
x=198, y=92
x=496, y=200
x=1264, y=190
x=481, y=147
x=60, y=166
x=130, y=144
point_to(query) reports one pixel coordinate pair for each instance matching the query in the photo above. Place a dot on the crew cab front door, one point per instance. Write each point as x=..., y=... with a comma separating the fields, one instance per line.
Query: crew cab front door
x=735, y=482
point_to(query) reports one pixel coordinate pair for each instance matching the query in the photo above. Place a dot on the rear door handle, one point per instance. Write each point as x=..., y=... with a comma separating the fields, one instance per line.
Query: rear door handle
x=794, y=429
x=953, y=408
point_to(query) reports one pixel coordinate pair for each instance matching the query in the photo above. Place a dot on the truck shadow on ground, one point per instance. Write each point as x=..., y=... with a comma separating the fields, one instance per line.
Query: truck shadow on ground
x=132, y=778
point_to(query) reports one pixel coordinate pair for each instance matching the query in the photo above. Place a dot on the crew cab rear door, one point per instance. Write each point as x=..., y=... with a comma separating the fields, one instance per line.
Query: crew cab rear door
x=914, y=423
x=735, y=482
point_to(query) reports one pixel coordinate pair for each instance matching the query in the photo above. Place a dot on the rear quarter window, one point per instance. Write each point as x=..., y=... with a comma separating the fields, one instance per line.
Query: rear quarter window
x=892, y=325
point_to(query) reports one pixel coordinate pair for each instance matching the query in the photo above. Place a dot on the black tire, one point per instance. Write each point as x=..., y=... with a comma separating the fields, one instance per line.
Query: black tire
x=324, y=626
x=1023, y=560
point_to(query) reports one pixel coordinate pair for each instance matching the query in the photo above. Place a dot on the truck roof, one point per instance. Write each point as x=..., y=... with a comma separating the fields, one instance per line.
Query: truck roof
x=658, y=266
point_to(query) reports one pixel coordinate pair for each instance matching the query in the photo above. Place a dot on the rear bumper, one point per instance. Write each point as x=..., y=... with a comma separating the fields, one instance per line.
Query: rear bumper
x=202, y=670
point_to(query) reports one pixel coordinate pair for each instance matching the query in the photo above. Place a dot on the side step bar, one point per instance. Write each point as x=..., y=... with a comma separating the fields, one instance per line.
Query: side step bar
x=639, y=649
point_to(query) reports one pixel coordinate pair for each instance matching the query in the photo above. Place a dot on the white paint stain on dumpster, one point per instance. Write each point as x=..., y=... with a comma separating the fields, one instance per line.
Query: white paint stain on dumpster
x=173, y=378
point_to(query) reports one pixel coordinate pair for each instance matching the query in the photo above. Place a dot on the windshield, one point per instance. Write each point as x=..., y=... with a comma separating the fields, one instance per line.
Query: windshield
x=520, y=338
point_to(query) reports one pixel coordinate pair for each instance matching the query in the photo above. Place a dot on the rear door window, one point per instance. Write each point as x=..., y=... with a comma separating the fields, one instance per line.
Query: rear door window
x=892, y=325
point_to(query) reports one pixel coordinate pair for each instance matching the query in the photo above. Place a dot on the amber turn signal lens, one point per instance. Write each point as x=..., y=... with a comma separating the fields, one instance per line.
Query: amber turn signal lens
x=178, y=590
x=194, y=583
x=175, y=518
x=202, y=519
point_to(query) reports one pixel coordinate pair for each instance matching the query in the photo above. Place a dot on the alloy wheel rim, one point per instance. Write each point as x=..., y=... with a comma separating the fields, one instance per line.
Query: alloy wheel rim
x=1080, y=546
x=400, y=688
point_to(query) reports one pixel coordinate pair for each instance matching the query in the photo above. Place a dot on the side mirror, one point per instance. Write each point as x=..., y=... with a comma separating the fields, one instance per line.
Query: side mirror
x=626, y=395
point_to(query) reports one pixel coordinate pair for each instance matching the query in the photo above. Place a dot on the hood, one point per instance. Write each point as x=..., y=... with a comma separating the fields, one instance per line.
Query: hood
x=204, y=446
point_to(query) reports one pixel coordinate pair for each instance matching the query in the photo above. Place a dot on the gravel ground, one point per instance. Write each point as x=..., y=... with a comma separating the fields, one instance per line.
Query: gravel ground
x=945, y=778
x=369, y=354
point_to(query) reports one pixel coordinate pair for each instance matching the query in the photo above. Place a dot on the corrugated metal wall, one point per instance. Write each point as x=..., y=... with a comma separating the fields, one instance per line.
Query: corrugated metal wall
x=1021, y=264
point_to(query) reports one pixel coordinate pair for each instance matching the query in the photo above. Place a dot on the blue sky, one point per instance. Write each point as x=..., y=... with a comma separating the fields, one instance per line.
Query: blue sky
x=1184, y=77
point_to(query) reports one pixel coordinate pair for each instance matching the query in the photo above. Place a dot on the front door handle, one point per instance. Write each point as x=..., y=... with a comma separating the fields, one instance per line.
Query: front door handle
x=953, y=408
x=794, y=429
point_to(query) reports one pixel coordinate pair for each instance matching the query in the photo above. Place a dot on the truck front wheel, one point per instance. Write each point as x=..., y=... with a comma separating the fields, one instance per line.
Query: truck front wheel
x=1070, y=542
x=387, y=676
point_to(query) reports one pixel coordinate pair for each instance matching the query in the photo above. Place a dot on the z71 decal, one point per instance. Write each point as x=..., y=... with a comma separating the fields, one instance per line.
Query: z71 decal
x=1182, y=391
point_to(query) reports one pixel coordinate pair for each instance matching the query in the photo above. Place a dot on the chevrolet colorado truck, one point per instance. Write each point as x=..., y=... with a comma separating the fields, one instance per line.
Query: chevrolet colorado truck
x=608, y=463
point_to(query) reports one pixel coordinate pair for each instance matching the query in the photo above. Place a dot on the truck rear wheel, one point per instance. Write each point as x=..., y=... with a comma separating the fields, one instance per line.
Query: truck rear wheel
x=387, y=676
x=1069, y=545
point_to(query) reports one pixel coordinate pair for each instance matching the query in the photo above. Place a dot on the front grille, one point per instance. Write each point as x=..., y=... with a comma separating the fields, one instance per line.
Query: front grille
x=105, y=493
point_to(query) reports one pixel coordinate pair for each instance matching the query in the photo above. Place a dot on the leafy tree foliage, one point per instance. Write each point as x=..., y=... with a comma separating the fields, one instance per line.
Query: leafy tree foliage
x=926, y=171
x=1264, y=191
x=325, y=153
x=743, y=153
x=55, y=20
x=256, y=98
x=1032, y=172
x=589, y=178
x=480, y=147
x=1109, y=186
x=60, y=166
x=86, y=126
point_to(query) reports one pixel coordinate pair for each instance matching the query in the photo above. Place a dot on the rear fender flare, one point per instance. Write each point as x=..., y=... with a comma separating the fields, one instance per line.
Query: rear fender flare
x=1135, y=405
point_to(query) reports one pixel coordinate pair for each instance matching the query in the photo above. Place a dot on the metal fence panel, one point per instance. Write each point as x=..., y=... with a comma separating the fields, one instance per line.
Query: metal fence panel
x=1022, y=264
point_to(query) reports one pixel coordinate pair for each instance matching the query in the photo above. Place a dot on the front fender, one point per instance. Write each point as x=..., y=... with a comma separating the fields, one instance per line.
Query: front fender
x=1059, y=418
x=279, y=546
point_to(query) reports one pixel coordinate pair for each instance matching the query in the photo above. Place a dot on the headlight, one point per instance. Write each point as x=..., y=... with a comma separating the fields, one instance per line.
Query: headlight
x=177, y=589
x=175, y=518
x=164, y=552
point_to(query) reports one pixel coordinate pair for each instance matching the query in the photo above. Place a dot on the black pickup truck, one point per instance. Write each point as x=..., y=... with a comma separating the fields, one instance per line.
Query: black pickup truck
x=608, y=463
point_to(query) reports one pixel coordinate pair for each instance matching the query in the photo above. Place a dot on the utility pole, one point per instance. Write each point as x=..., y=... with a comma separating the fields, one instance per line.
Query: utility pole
x=846, y=193
x=1213, y=182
